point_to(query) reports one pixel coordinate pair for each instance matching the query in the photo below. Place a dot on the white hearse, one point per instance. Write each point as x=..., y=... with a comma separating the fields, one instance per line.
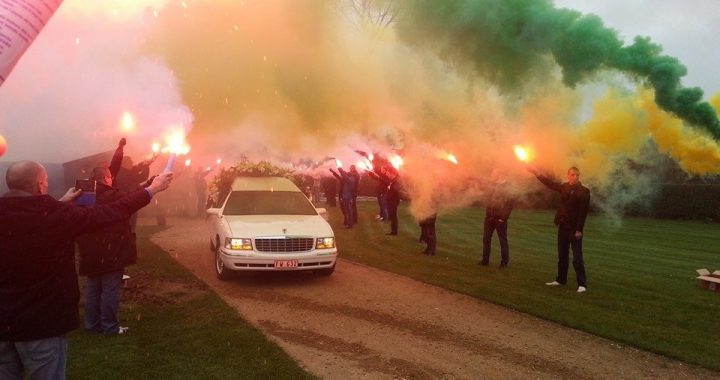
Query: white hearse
x=268, y=224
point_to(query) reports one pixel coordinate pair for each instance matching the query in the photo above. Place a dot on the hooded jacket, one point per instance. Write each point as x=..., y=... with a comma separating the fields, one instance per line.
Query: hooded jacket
x=38, y=284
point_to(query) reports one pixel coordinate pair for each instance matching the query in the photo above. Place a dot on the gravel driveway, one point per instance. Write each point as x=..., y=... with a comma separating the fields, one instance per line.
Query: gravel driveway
x=365, y=323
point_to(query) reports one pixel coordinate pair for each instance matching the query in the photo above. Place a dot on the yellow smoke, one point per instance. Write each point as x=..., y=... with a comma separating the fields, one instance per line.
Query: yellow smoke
x=287, y=79
x=695, y=151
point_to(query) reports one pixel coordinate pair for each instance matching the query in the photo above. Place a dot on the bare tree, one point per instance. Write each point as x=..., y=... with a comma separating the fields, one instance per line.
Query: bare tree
x=375, y=12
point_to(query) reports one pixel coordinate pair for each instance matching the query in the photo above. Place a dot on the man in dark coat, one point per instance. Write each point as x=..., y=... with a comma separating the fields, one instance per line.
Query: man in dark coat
x=329, y=186
x=348, y=190
x=570, y=220
x=393, y=200
x=428, y=235
x=381, y=194
x=130, y=176
x=355, y=183
x=38, y=284
x=104, y=254
x=497, y=213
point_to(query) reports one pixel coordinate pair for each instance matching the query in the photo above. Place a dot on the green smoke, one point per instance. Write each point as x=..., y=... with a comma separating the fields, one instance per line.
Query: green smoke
x=515, y=42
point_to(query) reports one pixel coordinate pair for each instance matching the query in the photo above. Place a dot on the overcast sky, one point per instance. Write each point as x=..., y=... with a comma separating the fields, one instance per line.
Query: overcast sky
x=687, y=29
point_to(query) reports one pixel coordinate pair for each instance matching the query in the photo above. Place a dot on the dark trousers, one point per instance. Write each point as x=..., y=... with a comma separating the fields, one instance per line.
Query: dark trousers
x=353, y=204
x=347, y=210
x=491, y=225
x=565, y=240
x=427, y=234
x=392, y=214
x=331, y=199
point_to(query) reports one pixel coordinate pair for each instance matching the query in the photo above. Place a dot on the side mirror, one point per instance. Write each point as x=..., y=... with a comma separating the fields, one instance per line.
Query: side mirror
x=213, y=211
x=323, y=212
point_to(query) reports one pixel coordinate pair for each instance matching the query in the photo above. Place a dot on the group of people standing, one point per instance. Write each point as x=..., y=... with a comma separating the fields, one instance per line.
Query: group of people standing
x=572, y=210
x=570, y=217
x=39, y=290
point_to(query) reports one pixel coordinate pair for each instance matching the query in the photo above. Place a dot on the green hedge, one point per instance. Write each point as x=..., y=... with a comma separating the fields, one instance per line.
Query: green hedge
x=686, y=201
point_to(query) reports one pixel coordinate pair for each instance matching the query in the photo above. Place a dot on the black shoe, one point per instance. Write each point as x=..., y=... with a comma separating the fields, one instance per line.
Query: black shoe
x=391, y=234
x=484, y=263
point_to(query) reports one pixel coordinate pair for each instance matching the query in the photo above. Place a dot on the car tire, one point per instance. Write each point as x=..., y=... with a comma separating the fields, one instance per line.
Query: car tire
x=326, y=271
x=222, y=273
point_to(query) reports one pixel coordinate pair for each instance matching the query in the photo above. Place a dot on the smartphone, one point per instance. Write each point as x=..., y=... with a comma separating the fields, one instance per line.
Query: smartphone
x=86, y=185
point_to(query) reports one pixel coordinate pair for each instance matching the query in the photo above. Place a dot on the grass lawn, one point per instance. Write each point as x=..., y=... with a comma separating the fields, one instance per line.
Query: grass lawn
x=179, y=329
x=642, y=289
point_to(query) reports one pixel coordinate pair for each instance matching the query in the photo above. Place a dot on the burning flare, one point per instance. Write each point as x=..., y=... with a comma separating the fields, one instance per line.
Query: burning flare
x=187, y=162
x=175, y=142
x=396, y=161
x=128, y=122
x=523, y=154
x=364, y=164
x=450, y=157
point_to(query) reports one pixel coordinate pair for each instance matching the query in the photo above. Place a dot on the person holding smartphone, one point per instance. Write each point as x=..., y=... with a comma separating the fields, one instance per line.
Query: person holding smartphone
x=38, y=284
x=105, y=253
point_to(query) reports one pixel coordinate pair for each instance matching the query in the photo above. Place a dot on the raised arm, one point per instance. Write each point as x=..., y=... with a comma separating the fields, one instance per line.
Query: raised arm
x=117, y=159
x=549, y=182
x=79, y=220
x=335, y=174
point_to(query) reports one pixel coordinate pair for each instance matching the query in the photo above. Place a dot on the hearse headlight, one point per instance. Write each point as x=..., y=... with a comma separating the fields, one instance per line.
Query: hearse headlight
x=325, y=243
x=239, y=244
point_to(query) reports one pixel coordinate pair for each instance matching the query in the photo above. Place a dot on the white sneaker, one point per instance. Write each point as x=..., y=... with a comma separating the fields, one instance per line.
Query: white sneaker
x=581, y=289
x=122, y=330
x=554, y=283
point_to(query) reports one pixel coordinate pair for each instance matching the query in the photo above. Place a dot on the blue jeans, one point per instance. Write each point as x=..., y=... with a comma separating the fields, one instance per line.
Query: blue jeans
x=44, y=359
x=102, y=302
x=382, y=202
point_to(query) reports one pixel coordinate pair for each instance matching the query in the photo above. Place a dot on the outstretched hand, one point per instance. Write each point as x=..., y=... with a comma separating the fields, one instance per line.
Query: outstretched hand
x=122, y=142
x=70, y=195
x=160, y=182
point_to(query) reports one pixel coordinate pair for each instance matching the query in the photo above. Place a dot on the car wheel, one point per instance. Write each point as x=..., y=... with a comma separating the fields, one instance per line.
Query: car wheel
x=223, y=274
x=326, y=271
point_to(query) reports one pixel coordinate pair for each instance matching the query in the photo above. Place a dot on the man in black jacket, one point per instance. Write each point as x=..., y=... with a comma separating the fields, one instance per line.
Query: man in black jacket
x=104, y=254
x=393, y=200
x=38, y=283
x=129, y=176
x=348, y=193
x=497, y=213
x=570, y=219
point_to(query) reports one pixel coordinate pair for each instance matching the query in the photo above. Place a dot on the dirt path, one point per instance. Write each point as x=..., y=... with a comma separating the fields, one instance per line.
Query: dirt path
x=364, y=323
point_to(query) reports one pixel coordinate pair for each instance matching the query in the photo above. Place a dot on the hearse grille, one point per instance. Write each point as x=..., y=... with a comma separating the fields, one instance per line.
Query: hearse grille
x=285, y=245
